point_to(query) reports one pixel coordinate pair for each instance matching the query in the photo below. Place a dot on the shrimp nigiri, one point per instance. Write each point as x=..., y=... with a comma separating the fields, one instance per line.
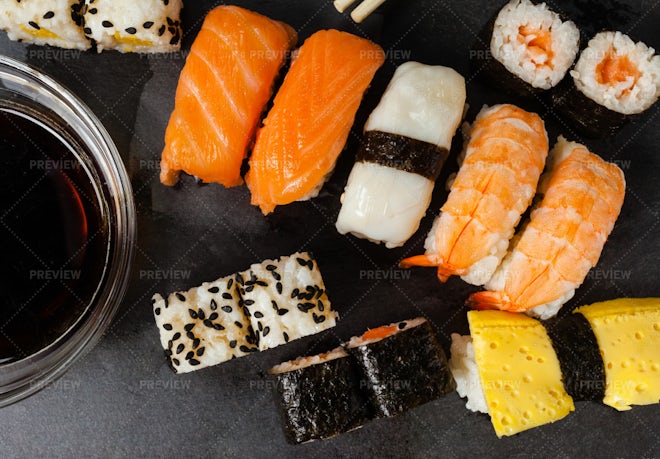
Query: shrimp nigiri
x=582, y=198
x=496, y=183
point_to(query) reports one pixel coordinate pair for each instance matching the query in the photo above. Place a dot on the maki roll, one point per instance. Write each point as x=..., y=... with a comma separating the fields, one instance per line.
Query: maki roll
x=403, y=366
x=145, y=26
x=320, y=396
x=613, y=80
x=56, y=22
x=265, y=306
x=407, y=139
x=530, y=47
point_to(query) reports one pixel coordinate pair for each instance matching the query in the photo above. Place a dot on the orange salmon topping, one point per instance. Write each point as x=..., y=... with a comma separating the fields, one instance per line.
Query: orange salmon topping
x=615, y=69
x=380, y=332
x=538, y=46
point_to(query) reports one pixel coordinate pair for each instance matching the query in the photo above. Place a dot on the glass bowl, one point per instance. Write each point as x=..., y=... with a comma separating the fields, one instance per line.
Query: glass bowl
x=27, y=94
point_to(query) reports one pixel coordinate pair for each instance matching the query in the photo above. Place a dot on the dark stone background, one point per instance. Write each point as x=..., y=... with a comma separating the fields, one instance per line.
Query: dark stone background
x=122, y=400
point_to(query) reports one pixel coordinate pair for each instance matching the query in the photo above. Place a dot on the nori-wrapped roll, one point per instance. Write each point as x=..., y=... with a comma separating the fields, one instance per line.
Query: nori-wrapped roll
x=320, y=396
x=525, y=49
x=579, y=357
x=403, y=366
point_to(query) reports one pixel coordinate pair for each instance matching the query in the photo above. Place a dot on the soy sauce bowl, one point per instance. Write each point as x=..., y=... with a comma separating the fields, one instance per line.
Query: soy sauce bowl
x=49, y=349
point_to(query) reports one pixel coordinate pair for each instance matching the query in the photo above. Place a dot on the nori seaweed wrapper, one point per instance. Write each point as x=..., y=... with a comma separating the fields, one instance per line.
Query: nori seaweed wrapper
x=402, y=153
x=579, y=356
x=404, y=370
x=322, y=400
x=588, y=117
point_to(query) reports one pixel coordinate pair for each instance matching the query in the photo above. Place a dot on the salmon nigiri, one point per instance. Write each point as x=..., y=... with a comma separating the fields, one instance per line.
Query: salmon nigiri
x=582, y=198
x=496, y=183
x=222, y=91
x=311, y=117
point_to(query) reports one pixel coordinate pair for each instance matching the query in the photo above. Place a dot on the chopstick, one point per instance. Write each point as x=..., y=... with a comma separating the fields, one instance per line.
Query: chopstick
x=363, y=10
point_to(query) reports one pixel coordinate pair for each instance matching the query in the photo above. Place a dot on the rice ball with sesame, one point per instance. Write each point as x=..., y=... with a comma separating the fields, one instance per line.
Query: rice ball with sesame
x=145, y=26
x=56, y=22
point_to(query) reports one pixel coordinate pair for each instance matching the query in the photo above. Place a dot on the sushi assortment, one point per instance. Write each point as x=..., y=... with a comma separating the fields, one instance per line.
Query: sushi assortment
x=533, y=51
x=384, y=372
x=148, y=26
x=406, y=142
x=525, y=373
x=265, y=306
x=210, y=139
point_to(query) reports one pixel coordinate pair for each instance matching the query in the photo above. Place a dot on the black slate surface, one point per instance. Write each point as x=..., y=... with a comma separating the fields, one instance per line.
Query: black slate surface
x=121, y=399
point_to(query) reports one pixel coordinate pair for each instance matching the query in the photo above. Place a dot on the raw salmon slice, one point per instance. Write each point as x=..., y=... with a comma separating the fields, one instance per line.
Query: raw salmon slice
x=223, y=88
x=311, y=117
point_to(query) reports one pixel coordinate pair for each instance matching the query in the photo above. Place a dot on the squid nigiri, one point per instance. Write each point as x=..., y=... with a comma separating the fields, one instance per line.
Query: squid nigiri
x=582, y=198
x=407, y=139
x=496, y=183
x=223, y=89
x=312, y=114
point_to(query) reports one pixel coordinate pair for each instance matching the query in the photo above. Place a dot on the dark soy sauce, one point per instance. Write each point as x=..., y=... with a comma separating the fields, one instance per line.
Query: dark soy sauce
x=53, y=233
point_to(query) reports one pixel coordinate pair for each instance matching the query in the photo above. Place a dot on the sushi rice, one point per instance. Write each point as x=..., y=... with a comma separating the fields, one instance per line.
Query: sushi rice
x=634, y=67
x=534, y=43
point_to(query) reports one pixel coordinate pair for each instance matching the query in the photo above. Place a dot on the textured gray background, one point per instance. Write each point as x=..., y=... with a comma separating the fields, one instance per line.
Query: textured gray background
x=122, y=400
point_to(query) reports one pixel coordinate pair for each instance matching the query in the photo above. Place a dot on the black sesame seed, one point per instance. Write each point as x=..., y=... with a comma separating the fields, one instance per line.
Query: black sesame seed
x=179, y=348
x=301, y=308
x=318, y=319
x=286, y=337
x=260, y=325
x=157, y=311
x=131, y=30
x=213, y=316
x=180, y=296
x=295, y=293
x=230, y=283
x=310, y=265
x=208, y=323
x=190, y=335
x=176, y=336
x=87, y=31
x=169, y=344
x=228, y=309
x=192, y=313
x=402, y=325
x=161, y=30
x=309, y=296
x=93, y=11
x=168, y=353
x=214, y=290
x=168, y=327
x=244, y=348
x=246, y=311
x=258, y=314
x=271, y=267
x=309, y=288
x=319, y=293
x=200, y=351
x=49, y=15
x=249, y=302
x=320, y=306
x=194, y=362
x=276, y=276
x=282, y=311
x=170, y=21
x=227, y=296
x=232, y=344
x=274, y=304
x=301, y=261
x=107, y=24
x=176, y=361
x=166, y=2
x=200, y=314
x=250, y=339
x=148, y=24
x=214, y=305
x=309, y=306
x=262, y=283
x=195, y=343
x=266, y=331
x=238, y=324
x=239, y=278
x=249, y=289
x=189, y=327
x=218, y=327
x=34, y=25
x=190, y=355
x=278, y=286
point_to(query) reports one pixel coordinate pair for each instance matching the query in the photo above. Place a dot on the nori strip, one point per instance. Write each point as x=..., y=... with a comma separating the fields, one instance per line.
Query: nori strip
x=402, y=153
x=322, y=400
x=589, y=118
x=404, y=370
x=579, y=356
